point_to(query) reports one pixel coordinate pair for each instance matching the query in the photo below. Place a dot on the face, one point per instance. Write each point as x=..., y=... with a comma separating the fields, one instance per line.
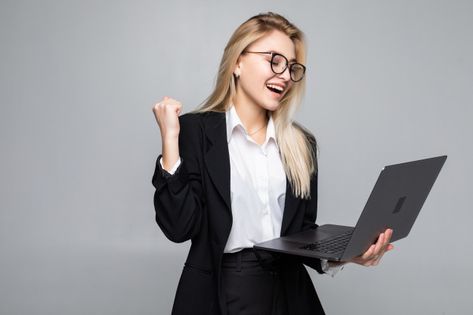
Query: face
x=258, y=85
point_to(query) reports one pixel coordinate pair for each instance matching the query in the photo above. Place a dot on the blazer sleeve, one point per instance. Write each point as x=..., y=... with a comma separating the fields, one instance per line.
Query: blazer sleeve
x=178, y=198
x=310, y=215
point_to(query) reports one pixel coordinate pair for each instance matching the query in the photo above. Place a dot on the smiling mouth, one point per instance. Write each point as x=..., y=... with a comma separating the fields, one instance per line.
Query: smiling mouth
x=275, y=88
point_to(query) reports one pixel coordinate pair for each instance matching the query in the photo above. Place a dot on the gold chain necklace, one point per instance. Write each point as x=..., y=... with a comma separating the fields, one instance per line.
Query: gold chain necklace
x=252, y=133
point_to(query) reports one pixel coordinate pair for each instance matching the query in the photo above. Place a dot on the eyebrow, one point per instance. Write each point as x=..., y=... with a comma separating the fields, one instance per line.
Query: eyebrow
x=290, y=60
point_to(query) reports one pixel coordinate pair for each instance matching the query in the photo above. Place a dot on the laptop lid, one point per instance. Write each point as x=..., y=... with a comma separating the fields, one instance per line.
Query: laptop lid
x=394, y=202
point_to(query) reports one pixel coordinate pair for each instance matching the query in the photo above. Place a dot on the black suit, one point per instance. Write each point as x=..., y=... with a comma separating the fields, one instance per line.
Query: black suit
x=194, y=204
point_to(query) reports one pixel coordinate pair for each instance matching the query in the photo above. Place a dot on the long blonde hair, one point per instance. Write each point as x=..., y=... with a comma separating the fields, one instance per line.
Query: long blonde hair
x=296, y=145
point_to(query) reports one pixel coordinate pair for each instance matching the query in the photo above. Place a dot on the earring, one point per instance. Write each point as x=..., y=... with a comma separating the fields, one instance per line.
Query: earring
x=237, y=75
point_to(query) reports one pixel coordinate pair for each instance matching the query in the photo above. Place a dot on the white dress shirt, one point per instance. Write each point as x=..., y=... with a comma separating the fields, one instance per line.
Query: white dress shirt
x=257, y=186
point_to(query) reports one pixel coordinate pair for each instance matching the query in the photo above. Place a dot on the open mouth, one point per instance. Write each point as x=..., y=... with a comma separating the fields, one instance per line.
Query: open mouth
x=275, y=88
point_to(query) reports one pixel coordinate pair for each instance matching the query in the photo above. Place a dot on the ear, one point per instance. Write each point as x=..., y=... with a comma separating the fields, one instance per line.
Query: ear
x=237, y=69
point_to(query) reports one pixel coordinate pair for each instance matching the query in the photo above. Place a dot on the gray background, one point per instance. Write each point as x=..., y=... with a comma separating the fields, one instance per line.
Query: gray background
x=388, y=81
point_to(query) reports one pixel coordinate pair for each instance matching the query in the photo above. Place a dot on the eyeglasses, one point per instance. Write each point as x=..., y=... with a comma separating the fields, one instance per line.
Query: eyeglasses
x=279, y=64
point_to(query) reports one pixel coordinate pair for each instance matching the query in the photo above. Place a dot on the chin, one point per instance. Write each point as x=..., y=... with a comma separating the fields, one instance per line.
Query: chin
x=271, y=106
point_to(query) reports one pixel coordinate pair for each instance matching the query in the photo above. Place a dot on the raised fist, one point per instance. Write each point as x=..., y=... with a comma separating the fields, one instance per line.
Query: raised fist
x=167, y=115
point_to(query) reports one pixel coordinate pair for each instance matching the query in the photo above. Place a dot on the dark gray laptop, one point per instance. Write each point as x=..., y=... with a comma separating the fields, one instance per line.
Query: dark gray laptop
x=395, y=202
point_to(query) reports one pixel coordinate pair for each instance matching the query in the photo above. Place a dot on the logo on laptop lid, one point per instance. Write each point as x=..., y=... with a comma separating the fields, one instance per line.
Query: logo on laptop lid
x=399, y=204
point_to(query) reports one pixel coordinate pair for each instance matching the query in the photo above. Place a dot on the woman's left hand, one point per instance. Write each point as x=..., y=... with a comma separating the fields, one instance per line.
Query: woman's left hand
x=376, y=251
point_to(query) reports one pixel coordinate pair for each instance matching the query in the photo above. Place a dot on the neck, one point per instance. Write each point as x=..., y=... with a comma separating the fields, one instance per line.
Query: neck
x=253, y=117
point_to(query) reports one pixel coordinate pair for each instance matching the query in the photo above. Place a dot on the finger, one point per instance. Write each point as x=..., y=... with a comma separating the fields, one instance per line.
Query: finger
x=387, y=238
x=167, y=105
x=378, y=259
x=156, y=108
x=388, y=234
x=168, y=99
x=159, y=104
x=170, y=103
x=179, y=108
x=173, y=108
x=368, y=253
x=379, y=244
x=386, y=249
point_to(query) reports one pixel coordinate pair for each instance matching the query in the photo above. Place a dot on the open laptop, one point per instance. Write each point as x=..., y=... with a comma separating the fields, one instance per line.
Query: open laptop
x=395, y=202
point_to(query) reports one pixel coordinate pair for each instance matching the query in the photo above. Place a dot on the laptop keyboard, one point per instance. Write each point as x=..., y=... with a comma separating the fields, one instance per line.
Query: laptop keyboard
x=330, y=245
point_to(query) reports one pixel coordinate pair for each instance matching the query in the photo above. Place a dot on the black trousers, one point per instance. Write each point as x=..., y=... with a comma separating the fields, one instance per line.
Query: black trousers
x=252, y=285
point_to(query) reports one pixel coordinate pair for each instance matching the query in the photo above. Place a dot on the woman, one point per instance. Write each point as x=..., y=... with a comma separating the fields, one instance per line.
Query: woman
x=239, y=171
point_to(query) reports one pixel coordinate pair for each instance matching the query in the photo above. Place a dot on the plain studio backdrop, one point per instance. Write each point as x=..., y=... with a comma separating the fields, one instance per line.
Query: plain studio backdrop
x=387, y=82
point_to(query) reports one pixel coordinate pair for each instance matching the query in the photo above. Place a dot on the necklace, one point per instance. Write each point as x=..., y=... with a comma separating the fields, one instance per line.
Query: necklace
x=253, y=132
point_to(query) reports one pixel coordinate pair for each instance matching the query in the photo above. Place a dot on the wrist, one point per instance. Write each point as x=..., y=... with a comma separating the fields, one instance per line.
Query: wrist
x=170, y=135
x=169, y=163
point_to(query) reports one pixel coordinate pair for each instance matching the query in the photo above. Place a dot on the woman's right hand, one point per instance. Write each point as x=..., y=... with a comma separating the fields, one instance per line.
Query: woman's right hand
x=167, y=115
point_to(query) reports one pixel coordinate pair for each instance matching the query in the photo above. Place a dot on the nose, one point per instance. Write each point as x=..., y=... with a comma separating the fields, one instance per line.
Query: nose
x=286, y=75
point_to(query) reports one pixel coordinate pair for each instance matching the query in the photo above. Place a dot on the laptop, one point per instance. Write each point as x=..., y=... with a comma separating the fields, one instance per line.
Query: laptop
x=394, y=203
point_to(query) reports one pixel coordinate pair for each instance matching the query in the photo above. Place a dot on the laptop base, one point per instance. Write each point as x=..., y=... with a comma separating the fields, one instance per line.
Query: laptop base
x=293, y=244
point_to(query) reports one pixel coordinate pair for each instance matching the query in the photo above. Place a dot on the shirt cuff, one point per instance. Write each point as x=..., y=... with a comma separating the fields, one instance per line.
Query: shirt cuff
x=173, y=169
x=329, y=268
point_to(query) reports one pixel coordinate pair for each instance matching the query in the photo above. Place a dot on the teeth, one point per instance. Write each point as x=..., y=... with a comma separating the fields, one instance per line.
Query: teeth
x=276, y=87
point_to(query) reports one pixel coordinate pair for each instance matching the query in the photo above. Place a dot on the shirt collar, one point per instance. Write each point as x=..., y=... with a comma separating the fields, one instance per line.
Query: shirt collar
x=233, y=122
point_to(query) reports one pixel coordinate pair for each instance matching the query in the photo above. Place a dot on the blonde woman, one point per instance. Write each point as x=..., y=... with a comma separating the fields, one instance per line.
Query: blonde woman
x=239, y=171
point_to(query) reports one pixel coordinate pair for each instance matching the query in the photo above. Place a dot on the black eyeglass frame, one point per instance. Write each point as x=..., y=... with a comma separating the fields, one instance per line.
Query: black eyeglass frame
x=273, y=54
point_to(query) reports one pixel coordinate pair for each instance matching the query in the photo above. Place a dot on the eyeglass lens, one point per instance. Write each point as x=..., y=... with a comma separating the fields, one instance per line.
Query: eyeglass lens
x=279, y=64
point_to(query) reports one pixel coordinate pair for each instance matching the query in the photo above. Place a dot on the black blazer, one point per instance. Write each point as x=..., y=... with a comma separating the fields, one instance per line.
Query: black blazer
x=194, y=204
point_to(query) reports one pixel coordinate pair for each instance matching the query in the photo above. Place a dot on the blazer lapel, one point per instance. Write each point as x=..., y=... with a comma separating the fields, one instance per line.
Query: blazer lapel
x=217, y=162
x=217, y=159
